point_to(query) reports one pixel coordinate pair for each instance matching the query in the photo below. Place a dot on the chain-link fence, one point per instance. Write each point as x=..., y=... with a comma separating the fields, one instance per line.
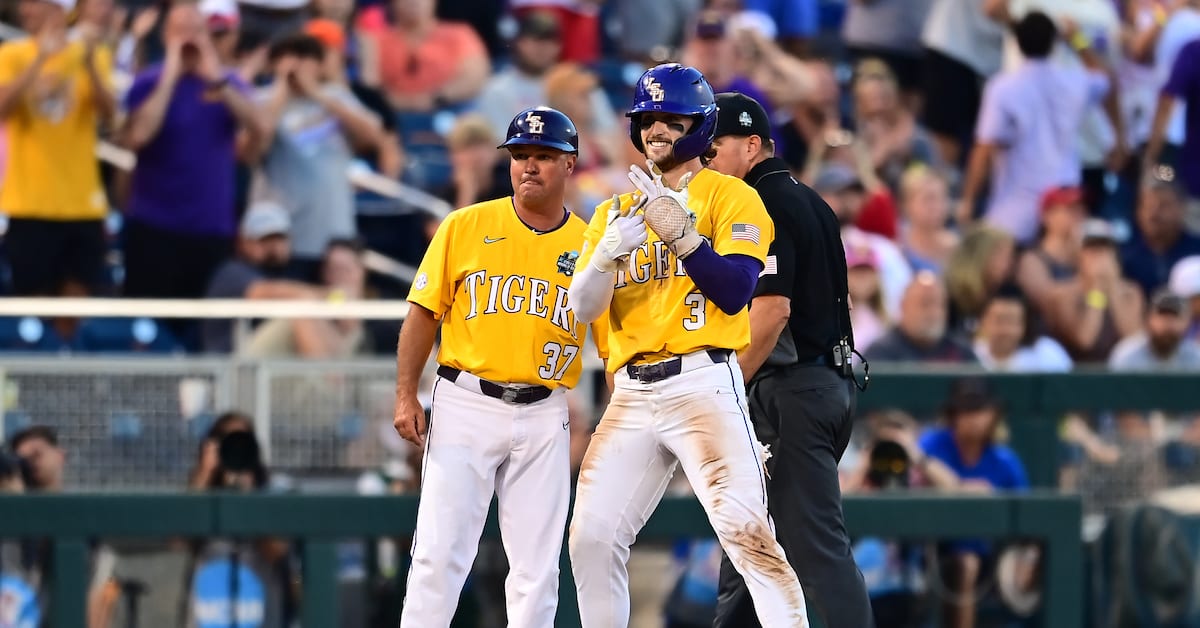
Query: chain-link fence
x=138, y=423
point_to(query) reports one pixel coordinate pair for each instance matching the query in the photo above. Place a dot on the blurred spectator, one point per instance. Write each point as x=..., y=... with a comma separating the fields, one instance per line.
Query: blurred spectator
x=580, y=20
x=876, y=212
x=925, y=206
x=1008, y=339
x=868, y=317
x=223, y=19
x=891, y=460
x=1121, y=467
x=1029, y=143
x=1163, y=345
x=1182, y=88
x=343, y=273
x=55, y=93
x=1046, y=266
x=254, y=577
x=981, y=264
x=256, y=271
x=1180, y=27
x=421, y=62
x=479, y=171
x=44, y=459
x=969, y=446
x=1185, y=281
x=1099, y=306
x=312, y=126
x=129, y=51
x=189, y=117
x=796, y=21
x=712, y=49
x=962, y=50
x=891, y=31
x=887, y=126
x=574, y=90
x=842, y=188
x=1092, y=26
x=486, y=17
x=524, y=83
x=920, y=334
x=208, y=459
x=815, y=118
x=264, y=20
x=20, y=574
x=1159, y=241
x=652, y=32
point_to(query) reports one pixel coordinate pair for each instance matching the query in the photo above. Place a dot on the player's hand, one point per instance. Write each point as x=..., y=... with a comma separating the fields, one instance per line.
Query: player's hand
x=666, y=210
x=624, y=233
x=410, y=421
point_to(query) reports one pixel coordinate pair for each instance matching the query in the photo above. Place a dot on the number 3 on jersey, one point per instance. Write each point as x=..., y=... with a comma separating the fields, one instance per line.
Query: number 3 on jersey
x=553, y=351
x=695, y=319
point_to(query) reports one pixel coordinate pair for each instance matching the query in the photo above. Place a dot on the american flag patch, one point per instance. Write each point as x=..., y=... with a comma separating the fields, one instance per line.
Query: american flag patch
x=770, y=267
x=746, y=231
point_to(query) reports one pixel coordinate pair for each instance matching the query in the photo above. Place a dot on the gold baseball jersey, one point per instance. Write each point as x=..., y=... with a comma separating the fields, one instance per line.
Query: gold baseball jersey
x=656, y=309
x=500, y=290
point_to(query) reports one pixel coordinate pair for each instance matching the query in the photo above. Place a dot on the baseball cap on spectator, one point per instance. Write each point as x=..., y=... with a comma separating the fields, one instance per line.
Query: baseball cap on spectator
x=328, y=32
x=263, y=219
x=1166, y=302
x=835, y=177
x=1061, y=197
x=1185, y=277
x=221, y=15
x=741, y=115
x=1097, y=231
x=539, y=25
x=710, y=25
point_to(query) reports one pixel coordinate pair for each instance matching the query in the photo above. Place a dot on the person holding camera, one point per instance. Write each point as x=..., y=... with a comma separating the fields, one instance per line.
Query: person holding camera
x=799, y=380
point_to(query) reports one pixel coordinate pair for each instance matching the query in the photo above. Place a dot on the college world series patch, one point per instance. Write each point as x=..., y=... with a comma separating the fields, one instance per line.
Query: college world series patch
x=566, y=262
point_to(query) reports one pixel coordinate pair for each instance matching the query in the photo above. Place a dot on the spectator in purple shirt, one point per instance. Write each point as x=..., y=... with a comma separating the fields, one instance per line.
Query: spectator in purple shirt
x=712, y=50
x=1182, y=86
x=185, y=118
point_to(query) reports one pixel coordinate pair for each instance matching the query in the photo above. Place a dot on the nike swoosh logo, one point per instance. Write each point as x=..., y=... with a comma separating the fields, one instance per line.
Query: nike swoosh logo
x=487, y=240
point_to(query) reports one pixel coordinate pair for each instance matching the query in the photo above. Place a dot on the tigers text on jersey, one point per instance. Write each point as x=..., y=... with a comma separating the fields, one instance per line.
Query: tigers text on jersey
x=500, y=290
x=656, y=309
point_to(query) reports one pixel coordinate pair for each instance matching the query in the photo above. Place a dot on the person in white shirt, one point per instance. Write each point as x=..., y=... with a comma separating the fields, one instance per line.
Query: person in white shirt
x=1028, y=128
x=1008, y=341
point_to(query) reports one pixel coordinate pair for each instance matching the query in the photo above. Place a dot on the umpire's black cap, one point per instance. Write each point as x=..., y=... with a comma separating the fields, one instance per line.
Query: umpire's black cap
x=741, y=115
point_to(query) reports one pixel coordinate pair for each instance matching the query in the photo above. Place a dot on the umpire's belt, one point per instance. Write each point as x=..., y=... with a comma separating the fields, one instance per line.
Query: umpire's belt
x=508, y=394
x=649, y=373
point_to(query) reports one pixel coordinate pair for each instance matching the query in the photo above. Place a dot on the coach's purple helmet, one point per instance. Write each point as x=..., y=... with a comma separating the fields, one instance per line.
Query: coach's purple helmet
x=681, y=90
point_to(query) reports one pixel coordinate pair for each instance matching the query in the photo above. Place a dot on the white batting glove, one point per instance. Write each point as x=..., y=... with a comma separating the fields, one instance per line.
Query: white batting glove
x=624, y=233
x=667, y=210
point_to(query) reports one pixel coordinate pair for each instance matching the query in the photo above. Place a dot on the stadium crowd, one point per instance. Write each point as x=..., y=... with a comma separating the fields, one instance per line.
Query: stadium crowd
x=1018, y=180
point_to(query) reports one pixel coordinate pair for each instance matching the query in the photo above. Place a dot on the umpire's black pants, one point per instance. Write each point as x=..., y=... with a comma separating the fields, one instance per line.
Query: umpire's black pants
x=805, y=413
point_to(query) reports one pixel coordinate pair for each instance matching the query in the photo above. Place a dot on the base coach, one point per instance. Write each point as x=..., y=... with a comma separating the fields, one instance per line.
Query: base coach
x=800, y=384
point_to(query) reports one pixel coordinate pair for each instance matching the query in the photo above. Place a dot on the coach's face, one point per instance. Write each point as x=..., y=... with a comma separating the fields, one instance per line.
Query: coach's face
x=539, y=175
x=659, y=132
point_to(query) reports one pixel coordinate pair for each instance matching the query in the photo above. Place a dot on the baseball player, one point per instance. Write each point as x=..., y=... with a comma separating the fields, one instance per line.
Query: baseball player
x=495, y=279
x=677, y=317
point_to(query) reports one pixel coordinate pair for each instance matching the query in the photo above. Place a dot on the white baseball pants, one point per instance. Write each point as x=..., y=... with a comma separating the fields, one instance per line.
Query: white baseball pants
x=477, y=445
x=697, y=419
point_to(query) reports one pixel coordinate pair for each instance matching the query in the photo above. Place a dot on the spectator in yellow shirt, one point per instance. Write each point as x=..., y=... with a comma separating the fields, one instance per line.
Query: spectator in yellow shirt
x=54, y=94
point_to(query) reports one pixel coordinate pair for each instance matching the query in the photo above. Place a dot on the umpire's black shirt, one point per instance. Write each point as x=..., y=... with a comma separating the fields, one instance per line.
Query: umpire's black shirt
x=806, y=263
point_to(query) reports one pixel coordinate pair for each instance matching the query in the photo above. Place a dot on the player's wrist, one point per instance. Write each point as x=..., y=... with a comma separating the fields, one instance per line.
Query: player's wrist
x=687, y=244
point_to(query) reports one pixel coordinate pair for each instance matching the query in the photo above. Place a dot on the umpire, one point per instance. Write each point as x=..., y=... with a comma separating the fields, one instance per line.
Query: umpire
x=798, y=379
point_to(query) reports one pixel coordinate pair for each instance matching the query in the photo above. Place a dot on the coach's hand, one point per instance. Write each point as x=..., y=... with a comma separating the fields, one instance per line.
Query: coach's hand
x=624, y=233
x=667, y=210
x=410, y=420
